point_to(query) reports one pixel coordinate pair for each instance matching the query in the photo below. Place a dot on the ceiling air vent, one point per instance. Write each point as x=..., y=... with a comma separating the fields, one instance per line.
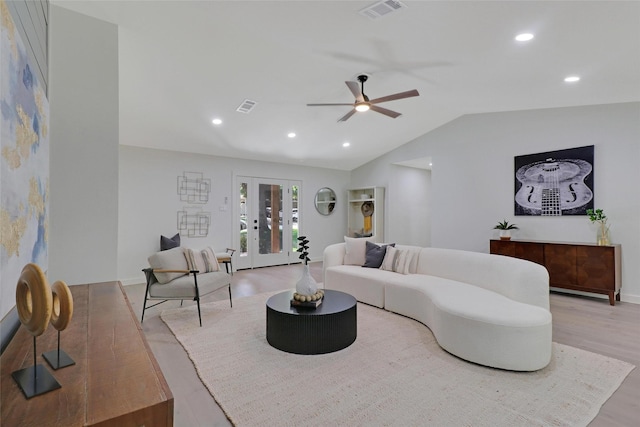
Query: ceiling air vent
x=382, y=8
x=246, y=106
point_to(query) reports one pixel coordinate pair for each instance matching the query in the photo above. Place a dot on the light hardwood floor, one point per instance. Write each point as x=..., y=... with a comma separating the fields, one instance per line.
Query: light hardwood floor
x=587, y=323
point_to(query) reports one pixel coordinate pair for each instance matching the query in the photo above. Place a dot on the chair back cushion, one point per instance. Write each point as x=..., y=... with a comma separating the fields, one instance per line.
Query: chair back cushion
x=172, y=259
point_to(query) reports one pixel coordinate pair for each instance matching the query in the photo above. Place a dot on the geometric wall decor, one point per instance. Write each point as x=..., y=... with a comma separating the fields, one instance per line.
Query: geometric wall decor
x=193, y=222
x=554, y=183
x=24, y=163
x=193, y=187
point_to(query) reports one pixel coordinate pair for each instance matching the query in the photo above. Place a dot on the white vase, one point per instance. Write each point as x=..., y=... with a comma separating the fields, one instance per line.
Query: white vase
x=306, y=285
x=505, y=234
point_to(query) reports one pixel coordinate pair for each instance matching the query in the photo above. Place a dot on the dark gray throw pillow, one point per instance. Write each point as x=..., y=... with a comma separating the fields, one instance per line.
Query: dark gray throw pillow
x=169, y=242
x=374, y=254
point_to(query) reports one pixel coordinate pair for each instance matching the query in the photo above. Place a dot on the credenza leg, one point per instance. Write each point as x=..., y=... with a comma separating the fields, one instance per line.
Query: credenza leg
x=612, y=299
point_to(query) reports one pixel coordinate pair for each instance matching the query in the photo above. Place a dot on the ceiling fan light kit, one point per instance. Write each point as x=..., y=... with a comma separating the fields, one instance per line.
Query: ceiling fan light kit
x=362, y=102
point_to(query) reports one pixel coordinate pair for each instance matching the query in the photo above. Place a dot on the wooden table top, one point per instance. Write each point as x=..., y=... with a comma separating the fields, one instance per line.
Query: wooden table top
x=115, y=381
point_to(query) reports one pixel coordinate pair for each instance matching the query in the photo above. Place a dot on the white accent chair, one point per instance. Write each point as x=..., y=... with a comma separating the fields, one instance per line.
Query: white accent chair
x=169, y=278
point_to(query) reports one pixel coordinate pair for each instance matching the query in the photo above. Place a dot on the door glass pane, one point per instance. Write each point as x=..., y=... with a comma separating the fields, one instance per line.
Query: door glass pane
x=270, y=219
x=294, y=217
x=243, y=219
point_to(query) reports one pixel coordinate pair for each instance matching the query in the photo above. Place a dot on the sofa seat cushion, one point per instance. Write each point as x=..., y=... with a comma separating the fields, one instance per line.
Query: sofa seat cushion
x=473, y=323
x=365, y=284
x=184, y=286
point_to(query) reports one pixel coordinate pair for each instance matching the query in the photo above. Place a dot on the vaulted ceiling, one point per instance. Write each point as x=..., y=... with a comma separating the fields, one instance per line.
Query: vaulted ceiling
x=184, y=63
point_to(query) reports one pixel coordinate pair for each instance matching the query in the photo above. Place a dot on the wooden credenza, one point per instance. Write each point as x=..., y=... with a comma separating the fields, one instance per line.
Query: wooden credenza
x=579, y=266
x=116, y=380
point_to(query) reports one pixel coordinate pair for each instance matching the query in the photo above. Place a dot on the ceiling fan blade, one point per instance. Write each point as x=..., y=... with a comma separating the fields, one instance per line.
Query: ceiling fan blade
x=401, y=95
x=324, y=105
x=346, y=116
x=384, y=111
x=355, y=90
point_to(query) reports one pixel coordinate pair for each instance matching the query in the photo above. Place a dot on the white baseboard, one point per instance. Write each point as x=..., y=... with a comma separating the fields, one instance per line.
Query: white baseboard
x=132, y=281
x=633, y=299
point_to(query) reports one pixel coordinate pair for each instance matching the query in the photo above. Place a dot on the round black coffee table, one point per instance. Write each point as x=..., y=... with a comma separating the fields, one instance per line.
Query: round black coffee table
x=330, y=327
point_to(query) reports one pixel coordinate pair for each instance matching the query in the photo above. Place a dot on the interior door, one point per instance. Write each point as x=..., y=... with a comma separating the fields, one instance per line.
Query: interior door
x=268, y=222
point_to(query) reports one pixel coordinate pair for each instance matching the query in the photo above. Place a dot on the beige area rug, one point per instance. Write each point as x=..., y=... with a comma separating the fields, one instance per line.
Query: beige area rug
x=393, y=374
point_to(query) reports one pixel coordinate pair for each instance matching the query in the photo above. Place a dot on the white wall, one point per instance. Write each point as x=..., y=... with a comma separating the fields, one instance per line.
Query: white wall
x=407, y=203
x=83, y=97
x=407, y=197
x=149, y=202
x=472, y=177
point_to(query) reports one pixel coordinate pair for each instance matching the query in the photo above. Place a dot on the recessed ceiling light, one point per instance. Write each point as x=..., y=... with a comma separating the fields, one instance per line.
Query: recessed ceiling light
x=571, y=79
x=346, y=144
x=216, y=121
x=524, y=37
x=291, y=134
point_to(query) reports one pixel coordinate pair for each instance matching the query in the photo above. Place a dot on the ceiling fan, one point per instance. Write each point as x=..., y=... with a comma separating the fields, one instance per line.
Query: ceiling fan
x=363, y=103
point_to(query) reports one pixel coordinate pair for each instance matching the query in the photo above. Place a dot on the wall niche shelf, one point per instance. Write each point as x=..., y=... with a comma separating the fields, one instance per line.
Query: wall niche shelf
x=365, y=213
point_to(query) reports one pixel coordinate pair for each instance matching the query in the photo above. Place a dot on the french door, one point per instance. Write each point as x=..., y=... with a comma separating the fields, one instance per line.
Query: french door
x=269, y=220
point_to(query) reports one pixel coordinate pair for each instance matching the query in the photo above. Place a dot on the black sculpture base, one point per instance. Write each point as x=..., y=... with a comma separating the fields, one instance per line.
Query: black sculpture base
x=58, y=359
x=35, y=380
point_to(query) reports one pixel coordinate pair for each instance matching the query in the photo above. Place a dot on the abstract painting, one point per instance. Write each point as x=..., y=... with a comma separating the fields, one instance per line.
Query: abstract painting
x=554, y=183
x=24, y=163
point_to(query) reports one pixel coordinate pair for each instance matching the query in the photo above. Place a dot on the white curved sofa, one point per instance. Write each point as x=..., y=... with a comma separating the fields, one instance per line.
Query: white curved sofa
x=488, y=309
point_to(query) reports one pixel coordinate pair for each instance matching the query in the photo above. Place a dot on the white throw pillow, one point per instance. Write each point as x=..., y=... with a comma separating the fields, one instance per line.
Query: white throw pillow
x=355, y=250
x=210, y=259
x=397, y=260
x=204, y=260
x=195, y=261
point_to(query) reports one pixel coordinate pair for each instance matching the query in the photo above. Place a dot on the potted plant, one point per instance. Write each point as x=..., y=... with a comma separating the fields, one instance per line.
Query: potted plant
x=603, y=230
x=505, y=229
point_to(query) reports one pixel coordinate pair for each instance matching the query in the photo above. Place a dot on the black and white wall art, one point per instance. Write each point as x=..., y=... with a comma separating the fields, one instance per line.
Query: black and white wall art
x=554, y=183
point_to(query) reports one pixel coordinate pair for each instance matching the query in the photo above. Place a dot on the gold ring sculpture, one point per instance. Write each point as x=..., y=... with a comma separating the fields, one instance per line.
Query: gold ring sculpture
x=33, y=299
x=62, y=310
